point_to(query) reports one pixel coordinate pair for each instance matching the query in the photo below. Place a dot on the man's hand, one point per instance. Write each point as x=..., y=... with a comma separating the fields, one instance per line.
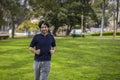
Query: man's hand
x=37, y=52
x=34, y=51
x=52, y=51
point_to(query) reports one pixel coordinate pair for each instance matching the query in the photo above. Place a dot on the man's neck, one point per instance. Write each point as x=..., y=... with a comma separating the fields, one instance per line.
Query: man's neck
x=44, y=34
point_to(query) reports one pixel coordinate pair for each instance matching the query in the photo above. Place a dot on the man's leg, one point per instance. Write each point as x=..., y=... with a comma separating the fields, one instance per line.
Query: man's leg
x=45, y=70
x=36, y=70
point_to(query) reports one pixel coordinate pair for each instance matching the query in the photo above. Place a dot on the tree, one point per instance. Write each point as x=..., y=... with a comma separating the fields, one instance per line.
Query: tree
x=115, y=28
x=14, y=11
x=60, y=12
x=27, y=25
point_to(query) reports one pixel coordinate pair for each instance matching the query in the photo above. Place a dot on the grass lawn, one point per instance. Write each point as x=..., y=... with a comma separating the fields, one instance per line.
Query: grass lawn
x=75, y=59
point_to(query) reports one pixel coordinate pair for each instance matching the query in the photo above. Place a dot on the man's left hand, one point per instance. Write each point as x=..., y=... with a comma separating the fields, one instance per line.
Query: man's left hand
x=52, y=51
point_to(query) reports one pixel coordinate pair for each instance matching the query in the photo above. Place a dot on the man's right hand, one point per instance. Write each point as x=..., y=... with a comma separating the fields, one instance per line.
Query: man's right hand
x=37, y=52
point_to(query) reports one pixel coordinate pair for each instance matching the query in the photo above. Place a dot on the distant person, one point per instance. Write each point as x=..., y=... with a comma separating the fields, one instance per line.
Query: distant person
x=43, y=46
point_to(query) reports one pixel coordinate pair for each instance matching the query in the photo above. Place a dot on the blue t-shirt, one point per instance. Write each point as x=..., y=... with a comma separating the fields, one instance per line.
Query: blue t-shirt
x=44, y=43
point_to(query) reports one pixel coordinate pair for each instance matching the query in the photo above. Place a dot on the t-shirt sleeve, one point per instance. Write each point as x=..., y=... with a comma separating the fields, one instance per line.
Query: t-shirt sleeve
x=53, y=42
x=33, y=42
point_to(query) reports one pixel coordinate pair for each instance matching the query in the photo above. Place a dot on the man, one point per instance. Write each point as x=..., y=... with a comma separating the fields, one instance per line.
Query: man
x=43, y=46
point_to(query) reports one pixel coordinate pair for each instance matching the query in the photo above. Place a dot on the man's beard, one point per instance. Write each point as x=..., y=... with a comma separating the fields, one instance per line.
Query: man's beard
x=44, y=31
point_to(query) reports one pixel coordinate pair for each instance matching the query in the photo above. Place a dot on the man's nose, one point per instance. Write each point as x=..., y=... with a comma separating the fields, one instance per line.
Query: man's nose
x=44, y=28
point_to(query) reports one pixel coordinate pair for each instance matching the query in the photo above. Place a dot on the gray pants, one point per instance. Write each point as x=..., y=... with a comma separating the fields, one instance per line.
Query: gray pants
x=41, y=70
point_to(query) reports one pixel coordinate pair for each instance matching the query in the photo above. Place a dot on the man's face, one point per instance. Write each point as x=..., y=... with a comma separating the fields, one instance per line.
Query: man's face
x=44, y=29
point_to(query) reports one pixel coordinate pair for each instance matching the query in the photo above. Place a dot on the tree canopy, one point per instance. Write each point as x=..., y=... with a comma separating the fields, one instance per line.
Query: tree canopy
x=56, y=12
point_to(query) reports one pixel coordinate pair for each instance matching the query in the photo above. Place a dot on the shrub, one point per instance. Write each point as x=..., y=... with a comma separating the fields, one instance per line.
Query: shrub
x=78, y=35
x=105, y=34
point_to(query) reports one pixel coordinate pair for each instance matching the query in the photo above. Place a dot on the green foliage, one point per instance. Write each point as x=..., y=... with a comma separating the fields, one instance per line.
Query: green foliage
x=57, y=12
x=28, y=26
x=98, y=4
x=80, y=59
x=14, y=12
x=63, y=12
x=105, y=34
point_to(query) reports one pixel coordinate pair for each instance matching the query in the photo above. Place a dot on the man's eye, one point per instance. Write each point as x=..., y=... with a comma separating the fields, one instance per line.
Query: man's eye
x=43, y=27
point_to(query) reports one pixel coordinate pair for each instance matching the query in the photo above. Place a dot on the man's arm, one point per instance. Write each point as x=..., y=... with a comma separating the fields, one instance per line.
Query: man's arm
x=34, y=51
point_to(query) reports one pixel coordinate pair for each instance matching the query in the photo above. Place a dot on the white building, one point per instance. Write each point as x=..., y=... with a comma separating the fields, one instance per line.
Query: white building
x=112, y=23
x=112, y=1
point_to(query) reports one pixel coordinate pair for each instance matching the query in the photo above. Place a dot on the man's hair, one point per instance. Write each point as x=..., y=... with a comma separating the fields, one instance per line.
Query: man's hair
x=43, y=22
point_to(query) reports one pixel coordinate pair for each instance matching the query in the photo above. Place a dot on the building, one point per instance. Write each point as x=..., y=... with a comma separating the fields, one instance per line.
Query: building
x=112, y=22
x=112, y=1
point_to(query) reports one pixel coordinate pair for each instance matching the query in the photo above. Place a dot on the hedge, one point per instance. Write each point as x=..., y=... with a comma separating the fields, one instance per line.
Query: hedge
x=105, y=34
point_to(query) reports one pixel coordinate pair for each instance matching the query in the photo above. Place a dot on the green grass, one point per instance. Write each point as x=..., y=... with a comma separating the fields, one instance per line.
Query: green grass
x=75, y=59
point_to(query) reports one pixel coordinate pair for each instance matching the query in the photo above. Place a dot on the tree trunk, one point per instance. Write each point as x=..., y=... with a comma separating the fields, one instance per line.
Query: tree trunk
x=55, y=30
x=13, y=30
x=114, y=26
x=68, y=30
x=117, y=15
x=82, y=26
x=116, y=19
x=103, y=18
